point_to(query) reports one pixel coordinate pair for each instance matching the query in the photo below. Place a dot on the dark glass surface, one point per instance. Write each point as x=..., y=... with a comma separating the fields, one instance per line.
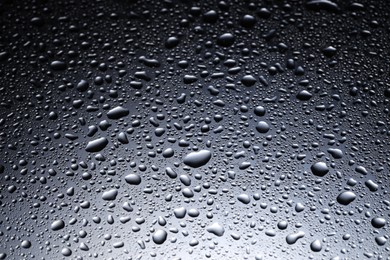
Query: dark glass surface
x=194, y=129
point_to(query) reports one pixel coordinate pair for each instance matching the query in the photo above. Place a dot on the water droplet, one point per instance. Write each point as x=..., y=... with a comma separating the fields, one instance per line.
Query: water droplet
x=293, y=238
x=96, y=145
x=133, y=179
x=197, y=159
x=26, y=244
x=216, y=229
x=66, y=251
x=378, y=222
x=159, y=236
x=262, y=127
x=346, y=197
x=57, y=225
x=117, y=113
x=319, y=169
x=110, y=195
x=316, y=245
x=226, y=40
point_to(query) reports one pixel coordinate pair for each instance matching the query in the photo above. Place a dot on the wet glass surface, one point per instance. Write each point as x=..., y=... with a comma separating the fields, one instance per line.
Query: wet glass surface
x=194, y=129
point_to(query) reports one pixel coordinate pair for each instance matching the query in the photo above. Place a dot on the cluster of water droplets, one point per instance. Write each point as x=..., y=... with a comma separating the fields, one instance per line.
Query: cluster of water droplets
x=172, y=130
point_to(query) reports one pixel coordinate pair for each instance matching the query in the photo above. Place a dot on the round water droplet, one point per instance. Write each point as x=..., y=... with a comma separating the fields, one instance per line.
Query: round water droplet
x=282, y=225
x=248, y=80
x=378, y=222
x=381, y=241
x=171, y=42
x=26, y=244
x=316, y=245
x=82, y=86
x=159, y=236
x=66, y=251
x=225, y=40
x=168, y=153
x=259, y=111
x=57, y=225
x=319, y=169
x=262, y=127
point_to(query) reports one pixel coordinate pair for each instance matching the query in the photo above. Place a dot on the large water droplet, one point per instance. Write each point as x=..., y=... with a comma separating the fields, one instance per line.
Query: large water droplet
x=346, y=197
x=197, y=159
